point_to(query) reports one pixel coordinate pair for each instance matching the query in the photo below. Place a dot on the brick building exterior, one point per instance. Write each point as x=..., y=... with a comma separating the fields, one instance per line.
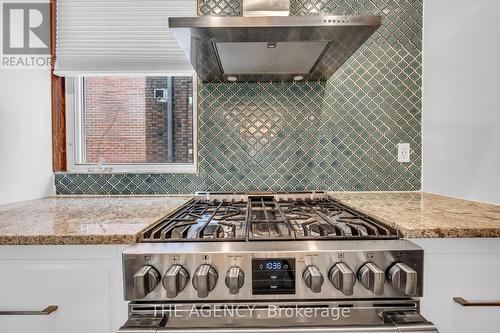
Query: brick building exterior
x=124, y=123
x=183, y=119
x=156, y=121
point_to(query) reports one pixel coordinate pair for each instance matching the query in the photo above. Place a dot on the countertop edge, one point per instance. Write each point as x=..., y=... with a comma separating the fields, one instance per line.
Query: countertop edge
x=68, y=240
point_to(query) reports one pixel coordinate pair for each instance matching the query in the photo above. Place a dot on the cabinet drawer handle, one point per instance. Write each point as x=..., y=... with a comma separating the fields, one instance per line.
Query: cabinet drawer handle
x=464, y=302
x=45, y=312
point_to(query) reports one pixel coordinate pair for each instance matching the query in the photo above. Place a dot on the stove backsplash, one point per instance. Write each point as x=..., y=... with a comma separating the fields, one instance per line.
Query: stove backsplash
x=336, y=135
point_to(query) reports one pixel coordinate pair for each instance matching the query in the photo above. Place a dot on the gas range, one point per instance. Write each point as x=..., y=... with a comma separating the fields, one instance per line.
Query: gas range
x=267, y=251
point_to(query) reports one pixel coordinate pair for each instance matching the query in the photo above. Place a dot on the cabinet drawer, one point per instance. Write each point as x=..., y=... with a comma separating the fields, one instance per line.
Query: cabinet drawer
x=80, y=289
x=461, y=268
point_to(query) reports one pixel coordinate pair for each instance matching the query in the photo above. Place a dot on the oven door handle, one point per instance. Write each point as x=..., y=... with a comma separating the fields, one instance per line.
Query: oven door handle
x=411, y=328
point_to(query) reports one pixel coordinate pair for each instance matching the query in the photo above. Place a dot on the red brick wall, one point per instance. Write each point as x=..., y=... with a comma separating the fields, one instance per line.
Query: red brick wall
x=115, y=119
x=124, y=123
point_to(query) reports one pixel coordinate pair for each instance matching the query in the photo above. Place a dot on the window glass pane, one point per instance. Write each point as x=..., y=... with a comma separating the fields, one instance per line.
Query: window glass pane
x=138, y=120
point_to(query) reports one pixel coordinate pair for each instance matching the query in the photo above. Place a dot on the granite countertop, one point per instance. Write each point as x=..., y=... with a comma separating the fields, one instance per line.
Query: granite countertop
x=120, y=220
x=425, y=215
x=82, y=220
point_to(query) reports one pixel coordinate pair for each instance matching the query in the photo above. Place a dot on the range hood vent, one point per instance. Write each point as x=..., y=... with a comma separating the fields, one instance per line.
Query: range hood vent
x=268, y=45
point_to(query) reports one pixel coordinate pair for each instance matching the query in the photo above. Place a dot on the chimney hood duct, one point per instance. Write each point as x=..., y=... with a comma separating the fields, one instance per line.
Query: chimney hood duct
x=268, y=45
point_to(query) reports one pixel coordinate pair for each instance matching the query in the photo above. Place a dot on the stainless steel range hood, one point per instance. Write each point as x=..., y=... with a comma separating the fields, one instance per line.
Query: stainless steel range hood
x=268, y=45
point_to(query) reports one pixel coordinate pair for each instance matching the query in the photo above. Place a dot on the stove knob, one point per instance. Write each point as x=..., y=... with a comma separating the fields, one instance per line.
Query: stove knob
x=313, y=278
x=235, y=279
x=404, y=279
x=145, y=280
x=372, y=277
x=204, y=280
x=342, y=278
x=175, y=280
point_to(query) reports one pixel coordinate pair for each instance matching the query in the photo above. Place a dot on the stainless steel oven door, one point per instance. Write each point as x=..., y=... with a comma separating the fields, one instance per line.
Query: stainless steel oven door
x=383, y=316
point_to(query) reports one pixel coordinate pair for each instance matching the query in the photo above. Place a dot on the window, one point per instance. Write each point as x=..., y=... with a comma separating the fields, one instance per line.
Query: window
x=132, y=124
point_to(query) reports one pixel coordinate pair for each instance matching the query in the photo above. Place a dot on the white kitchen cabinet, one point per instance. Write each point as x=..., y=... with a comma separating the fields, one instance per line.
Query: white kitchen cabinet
x=468, y=268
x=85, y=282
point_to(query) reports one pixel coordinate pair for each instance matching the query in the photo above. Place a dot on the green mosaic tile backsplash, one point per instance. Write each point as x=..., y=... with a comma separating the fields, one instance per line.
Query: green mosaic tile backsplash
x=335, y=135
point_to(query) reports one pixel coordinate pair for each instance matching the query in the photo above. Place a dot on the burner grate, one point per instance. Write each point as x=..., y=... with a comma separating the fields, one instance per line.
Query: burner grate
x=328, y=219
x=266, y=217
x=267, y=220
x=201, y=220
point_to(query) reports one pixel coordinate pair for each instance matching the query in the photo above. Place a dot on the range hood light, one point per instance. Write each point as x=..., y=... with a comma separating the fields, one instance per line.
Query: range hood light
x=298, y=78
x=271, y=45
x=232, y=78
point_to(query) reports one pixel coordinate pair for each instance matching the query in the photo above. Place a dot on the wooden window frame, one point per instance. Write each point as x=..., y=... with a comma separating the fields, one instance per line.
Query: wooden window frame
x=58, y=101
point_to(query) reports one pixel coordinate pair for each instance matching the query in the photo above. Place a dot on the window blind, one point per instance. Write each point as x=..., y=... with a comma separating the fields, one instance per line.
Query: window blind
x=119, y=37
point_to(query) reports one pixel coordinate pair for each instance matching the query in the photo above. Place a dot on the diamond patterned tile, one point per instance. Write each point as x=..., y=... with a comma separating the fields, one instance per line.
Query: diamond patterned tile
x=336, y=135
x=220, y=7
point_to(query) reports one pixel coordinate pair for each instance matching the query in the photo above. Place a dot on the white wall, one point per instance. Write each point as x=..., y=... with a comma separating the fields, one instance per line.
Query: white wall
x=25, y=135
x=461, y=99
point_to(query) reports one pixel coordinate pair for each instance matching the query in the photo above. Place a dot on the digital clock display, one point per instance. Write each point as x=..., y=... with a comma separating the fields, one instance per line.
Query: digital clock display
x=273, y=265
x=273, y=276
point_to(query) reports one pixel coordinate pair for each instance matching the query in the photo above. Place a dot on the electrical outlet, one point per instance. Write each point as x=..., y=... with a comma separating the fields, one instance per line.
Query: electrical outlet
x=403, y=152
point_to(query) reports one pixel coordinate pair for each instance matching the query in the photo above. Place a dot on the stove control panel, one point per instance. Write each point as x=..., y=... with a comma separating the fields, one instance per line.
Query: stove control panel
x=284, y=270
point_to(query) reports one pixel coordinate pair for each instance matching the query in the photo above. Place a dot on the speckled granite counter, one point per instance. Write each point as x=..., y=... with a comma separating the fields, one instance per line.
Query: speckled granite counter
x=82, y=220
x=120, y=220
x=420, y=215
